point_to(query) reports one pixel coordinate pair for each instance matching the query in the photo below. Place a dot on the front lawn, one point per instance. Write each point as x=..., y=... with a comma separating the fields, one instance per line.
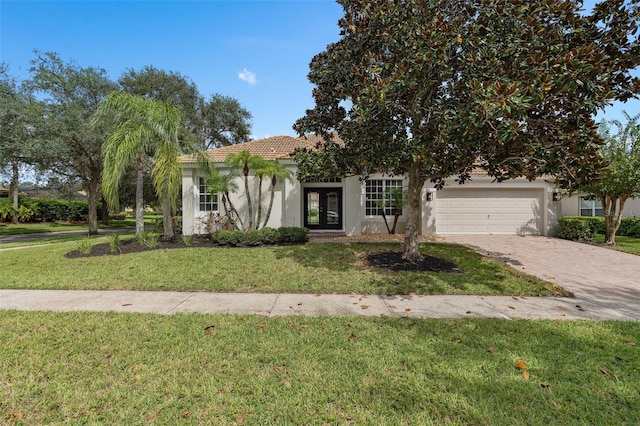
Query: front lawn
x=311, y=268
x=626, y=244
x=108, y=368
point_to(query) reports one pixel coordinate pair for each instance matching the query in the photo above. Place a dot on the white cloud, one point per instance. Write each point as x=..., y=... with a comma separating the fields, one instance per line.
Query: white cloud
x=248, y=76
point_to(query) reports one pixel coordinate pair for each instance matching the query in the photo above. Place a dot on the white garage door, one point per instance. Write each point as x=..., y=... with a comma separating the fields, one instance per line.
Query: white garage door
x=489, y=211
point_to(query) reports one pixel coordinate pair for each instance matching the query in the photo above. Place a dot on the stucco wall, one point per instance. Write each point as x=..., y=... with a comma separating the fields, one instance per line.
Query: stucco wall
x=571, y=206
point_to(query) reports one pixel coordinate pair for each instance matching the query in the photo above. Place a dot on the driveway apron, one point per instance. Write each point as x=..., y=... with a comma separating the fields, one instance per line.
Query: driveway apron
x=605, y=277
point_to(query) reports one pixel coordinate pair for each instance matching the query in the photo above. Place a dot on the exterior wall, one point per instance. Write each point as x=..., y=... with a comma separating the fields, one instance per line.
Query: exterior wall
x=189, y=199
x=571, y=206
x=289, y=204
x=193, y=221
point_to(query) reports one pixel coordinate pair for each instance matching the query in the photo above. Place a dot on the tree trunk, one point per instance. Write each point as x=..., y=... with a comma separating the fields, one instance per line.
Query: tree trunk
x=139, y=197
x=92, y=200
x=13, y=189
x=411, y=252
x=167, y=219
x=105, y=211
x=259, y=214
x=248, y=195
x=271, y=197
x=612, y=217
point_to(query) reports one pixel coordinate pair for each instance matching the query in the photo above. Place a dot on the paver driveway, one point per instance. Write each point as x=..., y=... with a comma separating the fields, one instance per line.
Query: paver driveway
x=605, y=277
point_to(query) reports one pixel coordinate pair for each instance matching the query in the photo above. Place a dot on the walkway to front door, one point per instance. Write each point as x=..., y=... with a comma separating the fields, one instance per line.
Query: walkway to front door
x=323, y=208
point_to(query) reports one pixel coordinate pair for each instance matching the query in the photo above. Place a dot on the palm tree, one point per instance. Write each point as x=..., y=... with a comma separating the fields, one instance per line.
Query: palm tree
x=142, y=126
x=245, y=160
x=224, y=184
x=276, y=172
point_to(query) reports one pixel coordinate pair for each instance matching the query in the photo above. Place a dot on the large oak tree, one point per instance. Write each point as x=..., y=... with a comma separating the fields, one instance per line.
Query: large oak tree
x=71, y=95
x=433, y=89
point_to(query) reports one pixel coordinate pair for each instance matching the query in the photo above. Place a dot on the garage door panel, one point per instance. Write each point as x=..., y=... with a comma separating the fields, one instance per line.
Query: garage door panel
x=489, y=211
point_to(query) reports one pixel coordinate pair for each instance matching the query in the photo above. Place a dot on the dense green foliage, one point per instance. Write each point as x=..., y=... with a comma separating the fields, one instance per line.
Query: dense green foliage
x=74, y=142
x=584, y=228
x=258, y=237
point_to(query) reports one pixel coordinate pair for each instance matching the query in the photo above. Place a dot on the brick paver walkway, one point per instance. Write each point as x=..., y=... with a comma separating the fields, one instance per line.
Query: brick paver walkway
x=606, y=277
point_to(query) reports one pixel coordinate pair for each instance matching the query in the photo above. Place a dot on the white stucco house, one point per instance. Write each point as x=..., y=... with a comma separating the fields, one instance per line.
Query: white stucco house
x=348, y=205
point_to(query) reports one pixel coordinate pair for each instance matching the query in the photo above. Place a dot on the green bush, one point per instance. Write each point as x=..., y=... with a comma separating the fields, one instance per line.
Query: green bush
x=228, y=238
x=270, y=236
x=629, y=226
x=293, y=235
x=60, y=210
x=575, y=228
x=148, y=239
x=252, y=238
x=114, y=242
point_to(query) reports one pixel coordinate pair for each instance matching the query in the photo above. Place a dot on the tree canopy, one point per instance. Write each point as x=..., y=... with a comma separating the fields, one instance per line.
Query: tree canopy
x=73, y=146
x=142, y=126
x=433, y=89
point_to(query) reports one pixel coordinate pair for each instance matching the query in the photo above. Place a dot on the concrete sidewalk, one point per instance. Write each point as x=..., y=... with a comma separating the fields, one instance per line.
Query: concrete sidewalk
x=166, y=303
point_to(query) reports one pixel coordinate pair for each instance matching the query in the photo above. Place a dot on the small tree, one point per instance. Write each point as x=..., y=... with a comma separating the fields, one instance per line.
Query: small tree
x=275, y=172
x=621, y=178
x=395, y=198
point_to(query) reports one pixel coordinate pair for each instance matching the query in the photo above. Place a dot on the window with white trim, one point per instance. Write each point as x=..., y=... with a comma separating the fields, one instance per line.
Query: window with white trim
x=590, y=206
x=375, y=191
x=208, y=202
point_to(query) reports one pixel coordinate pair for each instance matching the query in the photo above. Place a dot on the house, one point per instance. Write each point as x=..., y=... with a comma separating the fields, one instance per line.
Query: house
x=348, y=205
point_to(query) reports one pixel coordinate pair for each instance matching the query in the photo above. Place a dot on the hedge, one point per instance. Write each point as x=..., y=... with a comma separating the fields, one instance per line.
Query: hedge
x=60, y=211
x=584, y=228
x=258, y=237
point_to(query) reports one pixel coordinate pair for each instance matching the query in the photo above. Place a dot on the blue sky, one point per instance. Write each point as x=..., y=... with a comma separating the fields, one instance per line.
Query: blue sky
x=255, y=51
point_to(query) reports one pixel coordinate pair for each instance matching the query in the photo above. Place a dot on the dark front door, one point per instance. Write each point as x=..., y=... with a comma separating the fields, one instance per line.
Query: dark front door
x=323, y=208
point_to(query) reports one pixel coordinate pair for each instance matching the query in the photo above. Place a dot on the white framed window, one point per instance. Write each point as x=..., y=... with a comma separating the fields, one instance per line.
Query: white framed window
x=207, y=202
x=375, y=190
x=590, y=206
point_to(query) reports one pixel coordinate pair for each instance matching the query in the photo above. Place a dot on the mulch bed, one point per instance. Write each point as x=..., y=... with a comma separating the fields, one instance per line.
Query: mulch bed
x=393, y=260
x=389, y=260
x=132, y=246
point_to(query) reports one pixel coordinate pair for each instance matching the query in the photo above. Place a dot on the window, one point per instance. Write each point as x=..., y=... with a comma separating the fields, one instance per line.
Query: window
x=590, y=206
x=328, y=180
x=207, y=201
x=375, y=191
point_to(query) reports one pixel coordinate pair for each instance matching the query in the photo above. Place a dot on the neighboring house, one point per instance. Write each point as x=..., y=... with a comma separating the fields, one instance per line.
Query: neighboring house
x=348, y=205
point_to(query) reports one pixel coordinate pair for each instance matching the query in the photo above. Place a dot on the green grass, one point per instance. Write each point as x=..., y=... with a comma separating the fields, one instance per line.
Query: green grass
x=625, y=244
x=38, y=228
x=312, y=268
x=108, y=368
x=47, y=241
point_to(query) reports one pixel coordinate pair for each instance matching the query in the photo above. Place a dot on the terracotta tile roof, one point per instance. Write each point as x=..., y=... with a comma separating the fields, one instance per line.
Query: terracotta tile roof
x=273, y=148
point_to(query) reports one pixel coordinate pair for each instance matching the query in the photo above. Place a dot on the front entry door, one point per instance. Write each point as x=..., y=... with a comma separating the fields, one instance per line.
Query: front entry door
x=323, y=208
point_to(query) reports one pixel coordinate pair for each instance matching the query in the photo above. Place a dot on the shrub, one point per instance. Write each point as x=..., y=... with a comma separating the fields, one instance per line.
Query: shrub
x=575, y=228
x=114, y=242
x=84, y=246
x=293, y=235
x=186, y=239
x=148, y=239
x=270, y=236
x=228, y=238
x=253, y=238
x=630, y=227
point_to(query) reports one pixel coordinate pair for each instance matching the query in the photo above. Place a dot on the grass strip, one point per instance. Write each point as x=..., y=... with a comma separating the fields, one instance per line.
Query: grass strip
x=108, y=368
x=626, y=244
x=312, y=268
